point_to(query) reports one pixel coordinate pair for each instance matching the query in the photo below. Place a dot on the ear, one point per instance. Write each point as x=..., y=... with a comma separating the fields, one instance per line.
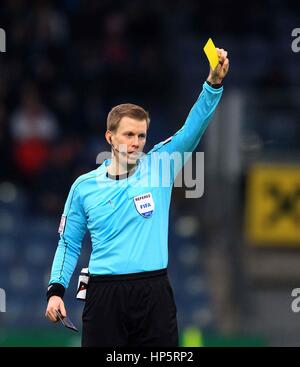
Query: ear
x=108, y=135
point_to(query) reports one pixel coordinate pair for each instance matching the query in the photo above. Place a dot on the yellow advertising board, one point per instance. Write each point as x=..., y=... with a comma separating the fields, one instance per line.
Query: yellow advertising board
x=273, y=205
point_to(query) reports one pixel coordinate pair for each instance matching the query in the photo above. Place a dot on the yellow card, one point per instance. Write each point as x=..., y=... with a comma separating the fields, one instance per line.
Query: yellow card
x=211, y=53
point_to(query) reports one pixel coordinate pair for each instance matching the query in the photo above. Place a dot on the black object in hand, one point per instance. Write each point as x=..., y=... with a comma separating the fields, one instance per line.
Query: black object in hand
x=66, y=321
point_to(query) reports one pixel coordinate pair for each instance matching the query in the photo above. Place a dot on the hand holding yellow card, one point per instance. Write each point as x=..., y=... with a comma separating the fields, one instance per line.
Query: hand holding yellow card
x=211, y=53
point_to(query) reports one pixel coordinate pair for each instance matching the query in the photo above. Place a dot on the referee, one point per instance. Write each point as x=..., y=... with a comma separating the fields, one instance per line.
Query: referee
x=129, y=299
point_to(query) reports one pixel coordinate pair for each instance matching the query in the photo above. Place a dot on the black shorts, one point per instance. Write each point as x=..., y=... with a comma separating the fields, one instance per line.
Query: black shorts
x=130, y=310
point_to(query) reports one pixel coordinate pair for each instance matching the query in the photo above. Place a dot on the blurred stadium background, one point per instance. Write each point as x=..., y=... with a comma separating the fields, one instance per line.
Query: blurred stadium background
x=234, y=253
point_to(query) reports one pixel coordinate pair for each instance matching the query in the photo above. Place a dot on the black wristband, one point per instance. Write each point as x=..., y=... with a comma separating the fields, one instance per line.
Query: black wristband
x=216, y=86
x=55, y=289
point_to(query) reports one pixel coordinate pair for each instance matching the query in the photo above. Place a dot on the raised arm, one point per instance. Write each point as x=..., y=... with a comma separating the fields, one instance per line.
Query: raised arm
x=187, y=138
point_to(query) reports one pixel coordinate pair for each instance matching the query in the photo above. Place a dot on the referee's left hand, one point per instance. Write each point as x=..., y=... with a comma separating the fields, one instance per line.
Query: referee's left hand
x=217, y=75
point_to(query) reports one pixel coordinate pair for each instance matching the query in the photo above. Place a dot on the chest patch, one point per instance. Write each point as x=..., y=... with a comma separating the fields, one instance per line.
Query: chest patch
x=144, y=204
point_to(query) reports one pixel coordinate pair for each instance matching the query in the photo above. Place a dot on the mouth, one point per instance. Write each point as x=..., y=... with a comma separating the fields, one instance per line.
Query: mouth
x=133, y=153
x=133, y=156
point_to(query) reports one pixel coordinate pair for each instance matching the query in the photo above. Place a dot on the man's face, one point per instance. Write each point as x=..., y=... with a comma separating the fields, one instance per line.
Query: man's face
x=129, y=138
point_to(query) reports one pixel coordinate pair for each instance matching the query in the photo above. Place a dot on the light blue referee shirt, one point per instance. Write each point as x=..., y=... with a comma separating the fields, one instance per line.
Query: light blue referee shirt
x=128, y=218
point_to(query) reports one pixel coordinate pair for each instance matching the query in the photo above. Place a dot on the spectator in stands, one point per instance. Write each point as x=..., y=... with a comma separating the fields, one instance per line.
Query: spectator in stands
x=33, y=129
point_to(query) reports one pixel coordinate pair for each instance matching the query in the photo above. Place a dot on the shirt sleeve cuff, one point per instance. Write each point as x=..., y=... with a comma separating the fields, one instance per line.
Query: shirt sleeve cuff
x=213, y=89
x=55, y=289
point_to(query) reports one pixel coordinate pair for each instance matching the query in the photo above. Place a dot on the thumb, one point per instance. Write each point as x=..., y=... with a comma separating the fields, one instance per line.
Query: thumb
x=62, y=309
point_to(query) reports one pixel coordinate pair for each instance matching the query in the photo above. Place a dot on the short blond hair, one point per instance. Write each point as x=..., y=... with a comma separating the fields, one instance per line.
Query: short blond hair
x=126, y=109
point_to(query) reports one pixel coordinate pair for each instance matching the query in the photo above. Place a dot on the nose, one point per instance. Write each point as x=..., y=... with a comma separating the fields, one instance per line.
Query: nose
x=135, y=142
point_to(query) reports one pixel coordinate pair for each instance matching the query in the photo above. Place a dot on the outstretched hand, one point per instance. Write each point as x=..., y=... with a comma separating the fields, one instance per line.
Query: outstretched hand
x=218, y=74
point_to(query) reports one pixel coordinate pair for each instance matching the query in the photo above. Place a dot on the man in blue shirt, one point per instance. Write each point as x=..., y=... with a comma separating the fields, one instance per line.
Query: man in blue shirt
x=125, y=205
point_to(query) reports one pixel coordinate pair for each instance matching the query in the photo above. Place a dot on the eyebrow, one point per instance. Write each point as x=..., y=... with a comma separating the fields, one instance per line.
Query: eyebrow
x=131, y=132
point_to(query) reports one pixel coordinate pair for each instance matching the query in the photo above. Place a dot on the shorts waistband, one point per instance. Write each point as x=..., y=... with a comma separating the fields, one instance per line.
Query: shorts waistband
x=131, y=276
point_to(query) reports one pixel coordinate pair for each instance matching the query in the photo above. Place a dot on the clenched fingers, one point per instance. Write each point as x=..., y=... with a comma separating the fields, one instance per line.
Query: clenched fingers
x=51, y=314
